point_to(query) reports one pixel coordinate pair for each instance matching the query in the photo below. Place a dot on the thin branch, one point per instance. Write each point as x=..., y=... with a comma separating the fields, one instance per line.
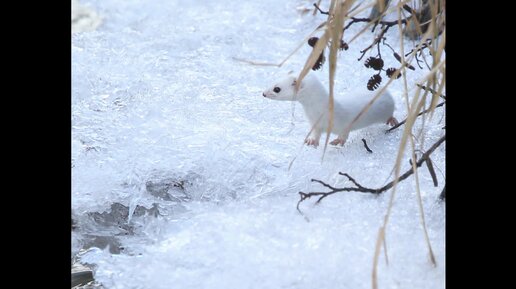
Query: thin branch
x=353, y=181
x=385, y=43
x=322, y=12
x=430, y=167
x=359, y=188
x=375, y=42
x=398, y=57
x=388, y=24
x=420, y=49
x=431, y=90
x=442, y=196
x=409, y=9
x=317, y=6
x=302, y=198
x=421, y=113
x=385, y=24
x=355, y=20
x=324, y=184
x=366, y=147
x=418, y=62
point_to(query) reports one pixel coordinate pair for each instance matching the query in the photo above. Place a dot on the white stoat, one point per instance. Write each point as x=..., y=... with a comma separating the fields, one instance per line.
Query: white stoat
x=315, y=100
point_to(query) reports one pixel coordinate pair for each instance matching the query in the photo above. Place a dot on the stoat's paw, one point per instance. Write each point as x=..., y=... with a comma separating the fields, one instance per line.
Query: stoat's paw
x=338, y=141
x=312, y=142
x=392, y=121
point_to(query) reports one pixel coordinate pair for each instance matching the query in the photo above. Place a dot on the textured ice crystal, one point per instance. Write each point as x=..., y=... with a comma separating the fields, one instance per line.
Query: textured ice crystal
x=162, y=114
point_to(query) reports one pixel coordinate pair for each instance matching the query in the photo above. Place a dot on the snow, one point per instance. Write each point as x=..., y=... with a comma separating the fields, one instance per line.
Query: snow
x=163, y=117
x=84, y=18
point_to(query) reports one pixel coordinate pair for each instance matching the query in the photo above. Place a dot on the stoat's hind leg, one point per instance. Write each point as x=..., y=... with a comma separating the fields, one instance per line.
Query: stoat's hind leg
x=313, y=139
x=341, y=139
x=392, y=121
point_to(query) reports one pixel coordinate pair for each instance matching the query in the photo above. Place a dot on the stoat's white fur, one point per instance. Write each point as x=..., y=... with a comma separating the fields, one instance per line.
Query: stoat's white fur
x=314, y=98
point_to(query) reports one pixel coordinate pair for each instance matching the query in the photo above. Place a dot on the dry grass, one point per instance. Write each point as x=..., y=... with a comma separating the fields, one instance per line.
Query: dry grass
x=435, y=79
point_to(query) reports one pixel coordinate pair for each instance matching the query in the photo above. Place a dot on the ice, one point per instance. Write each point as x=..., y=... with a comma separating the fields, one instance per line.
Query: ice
x=84, y=18
x=178, y=158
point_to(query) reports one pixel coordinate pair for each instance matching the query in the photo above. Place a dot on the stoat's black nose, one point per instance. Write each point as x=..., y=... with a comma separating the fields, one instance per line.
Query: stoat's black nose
x=264, y=94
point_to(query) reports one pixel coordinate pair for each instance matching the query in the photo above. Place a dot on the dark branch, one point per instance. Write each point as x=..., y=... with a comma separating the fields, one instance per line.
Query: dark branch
x=322, y=12
x=388, y=24
x=418, y=62
x=353, y=181
x=420, y=49
x=431, y=90
x=375, y=42
x=359, y=188
x=443, y=194
x=324, y=184
x=409, y=9
x=355, y=20
x=385, y=27
x=430, y=167
x=387, y=44
x=421, y=113
x=385, y=24
x=366, y=147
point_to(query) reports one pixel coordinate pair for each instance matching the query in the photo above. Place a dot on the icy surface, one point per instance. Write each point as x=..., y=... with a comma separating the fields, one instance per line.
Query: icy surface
x=182, y=164
x=84, y=18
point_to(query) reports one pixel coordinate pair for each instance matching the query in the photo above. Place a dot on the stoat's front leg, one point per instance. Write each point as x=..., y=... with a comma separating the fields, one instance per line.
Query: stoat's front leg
x=313, y=139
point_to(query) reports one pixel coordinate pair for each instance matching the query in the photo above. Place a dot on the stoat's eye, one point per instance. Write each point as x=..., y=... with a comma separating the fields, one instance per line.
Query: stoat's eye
x=277, y=89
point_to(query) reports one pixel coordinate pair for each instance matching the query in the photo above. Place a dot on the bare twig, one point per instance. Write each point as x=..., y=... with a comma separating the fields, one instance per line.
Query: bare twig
x=420, y=49
x=421, y=113
x=398, y=57
x=409, y=9
x=324, y=184
x=387, y=44
x=385, y=27
x=375, y=42
x=355, y=20
x=387, y=24
x=431, y=90
x=317, y=7
x=430, y=167
x=322, y=12
x=359, y=188
x=418, y=62
x=366, y=147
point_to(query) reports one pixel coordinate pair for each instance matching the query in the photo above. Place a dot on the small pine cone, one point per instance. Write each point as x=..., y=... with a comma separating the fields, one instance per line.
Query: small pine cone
x=374, y=63
x=319, y=63
x=374, y=82
x=312, y=41
x=390, y=72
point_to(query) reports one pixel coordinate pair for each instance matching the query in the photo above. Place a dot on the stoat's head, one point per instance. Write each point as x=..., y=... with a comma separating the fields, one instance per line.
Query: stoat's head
x=283, y=89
